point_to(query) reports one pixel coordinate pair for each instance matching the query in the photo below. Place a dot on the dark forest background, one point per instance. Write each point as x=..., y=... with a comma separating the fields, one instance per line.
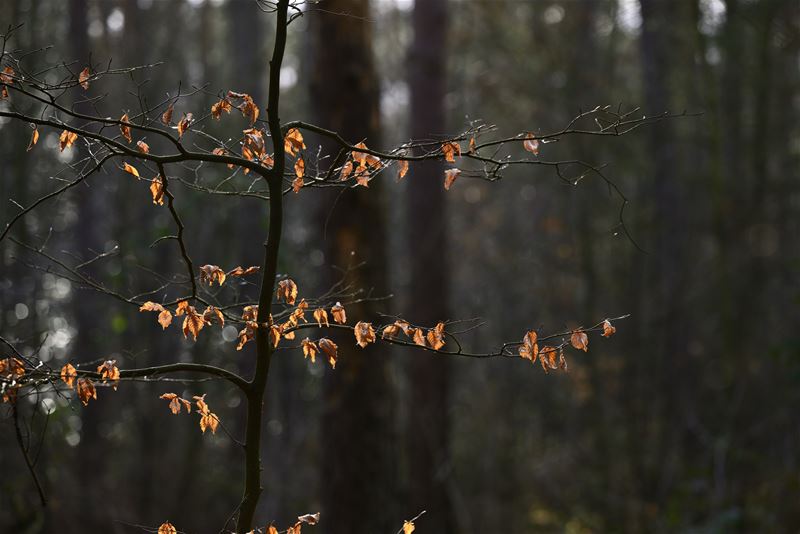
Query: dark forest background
x=686, y=420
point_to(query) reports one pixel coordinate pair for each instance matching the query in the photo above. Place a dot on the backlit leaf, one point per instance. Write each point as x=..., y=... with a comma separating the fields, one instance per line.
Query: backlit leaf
x=167, y=528
x=364, y=333
x=157, y=190
x=450, y=176
x=531, y=144
x=608, y=328
x=211, y=274
x=450, y=150
x=83, y=78
x=34, y=139
x=66, y=139
x=329, y=349
x=166, y=117
x=287, y=291
x=338, y=313
x=124, y=129
x=127, y=167
x=68, y=375
x=143, y=147
x=86, y=390
x=580, y=340
x=310, y=349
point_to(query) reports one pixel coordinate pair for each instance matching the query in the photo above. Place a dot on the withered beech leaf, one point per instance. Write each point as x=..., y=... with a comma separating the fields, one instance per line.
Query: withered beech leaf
x=207, y=418
x=339, y=314
x=192, y=323
x=143, y=147
x=151, y=306
x=435, y=337
x=297, y=184
x=68, y=375
x=408, y=527
x=66, y=139
x=608, y=328
x=211, y=274
x=531, y=144
x=310, y=349
x=127, y=167
x=86, y=390
x=300, y=167
x=213, y=315
x=157, y=190
x=450, y=176
x=529, y=349
x=165, y=319
x=83, y=78
x=34, y=138
x=287, y=291
x=347, y=168
x=329, y=349
x=321, y=316
x=473, y=146
x=402, y=169
x=418, y=336
x=241, y=271
x=7, y=77
x=183, y=307
x=183, y=125
x=580, y=340
x=222, y=105
x=451, y=149
x=167, y=528
x=272, y=530
x=364, y=333
x=547, y=353
x=166, y=117
x=124, y=129
x=109, y=372
x=293, y=142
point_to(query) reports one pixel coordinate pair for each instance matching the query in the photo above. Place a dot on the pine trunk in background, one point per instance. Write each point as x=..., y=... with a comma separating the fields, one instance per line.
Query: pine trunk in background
x=425, y=241
x=357, y=474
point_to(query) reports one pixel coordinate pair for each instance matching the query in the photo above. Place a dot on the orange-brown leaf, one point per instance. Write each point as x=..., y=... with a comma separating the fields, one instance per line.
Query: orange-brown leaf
x=66, y=139
x=68, y=375
x=166, y=117
x=408, y=527
x=293, y=142
x=608, y=328
x=151, y=306
x=241, y=271
x=143, y=147
x=531, y=144
x=183, y=307
x=222, y=105
x=435, y=337
x=109, y=372
x=300, y=168
x=192, y=323
x=529, y=348
x=86, y=390
x=310, y=349
x=311, y=519
x=364, y=333
x=287, y=291
x=83, y=78
x=157, y=190
x=34, y=139
x=321, y=316
x=338, y=313
x=165, y=319
x=402, y=169
x=183, y=125
x=213, y=315
x=580, y=340
x=329, y=349
x=127, y=167
x=124, y=129
x=167, y=528
x=451, y=149
x=211, y=274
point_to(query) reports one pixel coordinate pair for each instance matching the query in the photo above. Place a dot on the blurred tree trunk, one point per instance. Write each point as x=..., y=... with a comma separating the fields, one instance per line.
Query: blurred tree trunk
x=426, y=242
x=358, y=475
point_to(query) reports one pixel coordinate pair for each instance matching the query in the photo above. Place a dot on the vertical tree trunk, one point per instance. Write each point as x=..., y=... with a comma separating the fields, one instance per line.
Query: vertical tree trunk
x=426, y=241
x=357, y=423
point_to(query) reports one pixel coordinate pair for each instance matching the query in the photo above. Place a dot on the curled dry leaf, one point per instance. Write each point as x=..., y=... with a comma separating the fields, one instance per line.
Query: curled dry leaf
x=157, y=190
x=364, y=333
x=300, y=167
x=86, y=390
x=310, y=349
x=166, y=117
x=293, y=142
x=402, y=169
x=329, y=349
x=222, y=105
x=7, y=77
x=83, y=78
x=211, y=274
x=287, y=291
x=247, y=333
x=608, y=328
x=338, y=313
x=435, y=337
x=347, y=168
x=297, y=184
x=207, y=418
x=130, y=169
x=193, y=323
x=167, y=528
x=68, y=375
x=472, y=145
x=213, y=315
x=408, y=527
x=450, y=176
x=183, y=307
x=165, y=319
x=143, y=147
x=241, y=271
x=579, y=340
x=183, y=125
x=66, y=139
x=34, y=138
x=124, y=129
x=529, y=349
x=321, y=316
x=451, y=149
x=109, y=372
x=547, y=357
x=250, y=313
x=531, y=144
x=175, y=403
x=417, y=335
